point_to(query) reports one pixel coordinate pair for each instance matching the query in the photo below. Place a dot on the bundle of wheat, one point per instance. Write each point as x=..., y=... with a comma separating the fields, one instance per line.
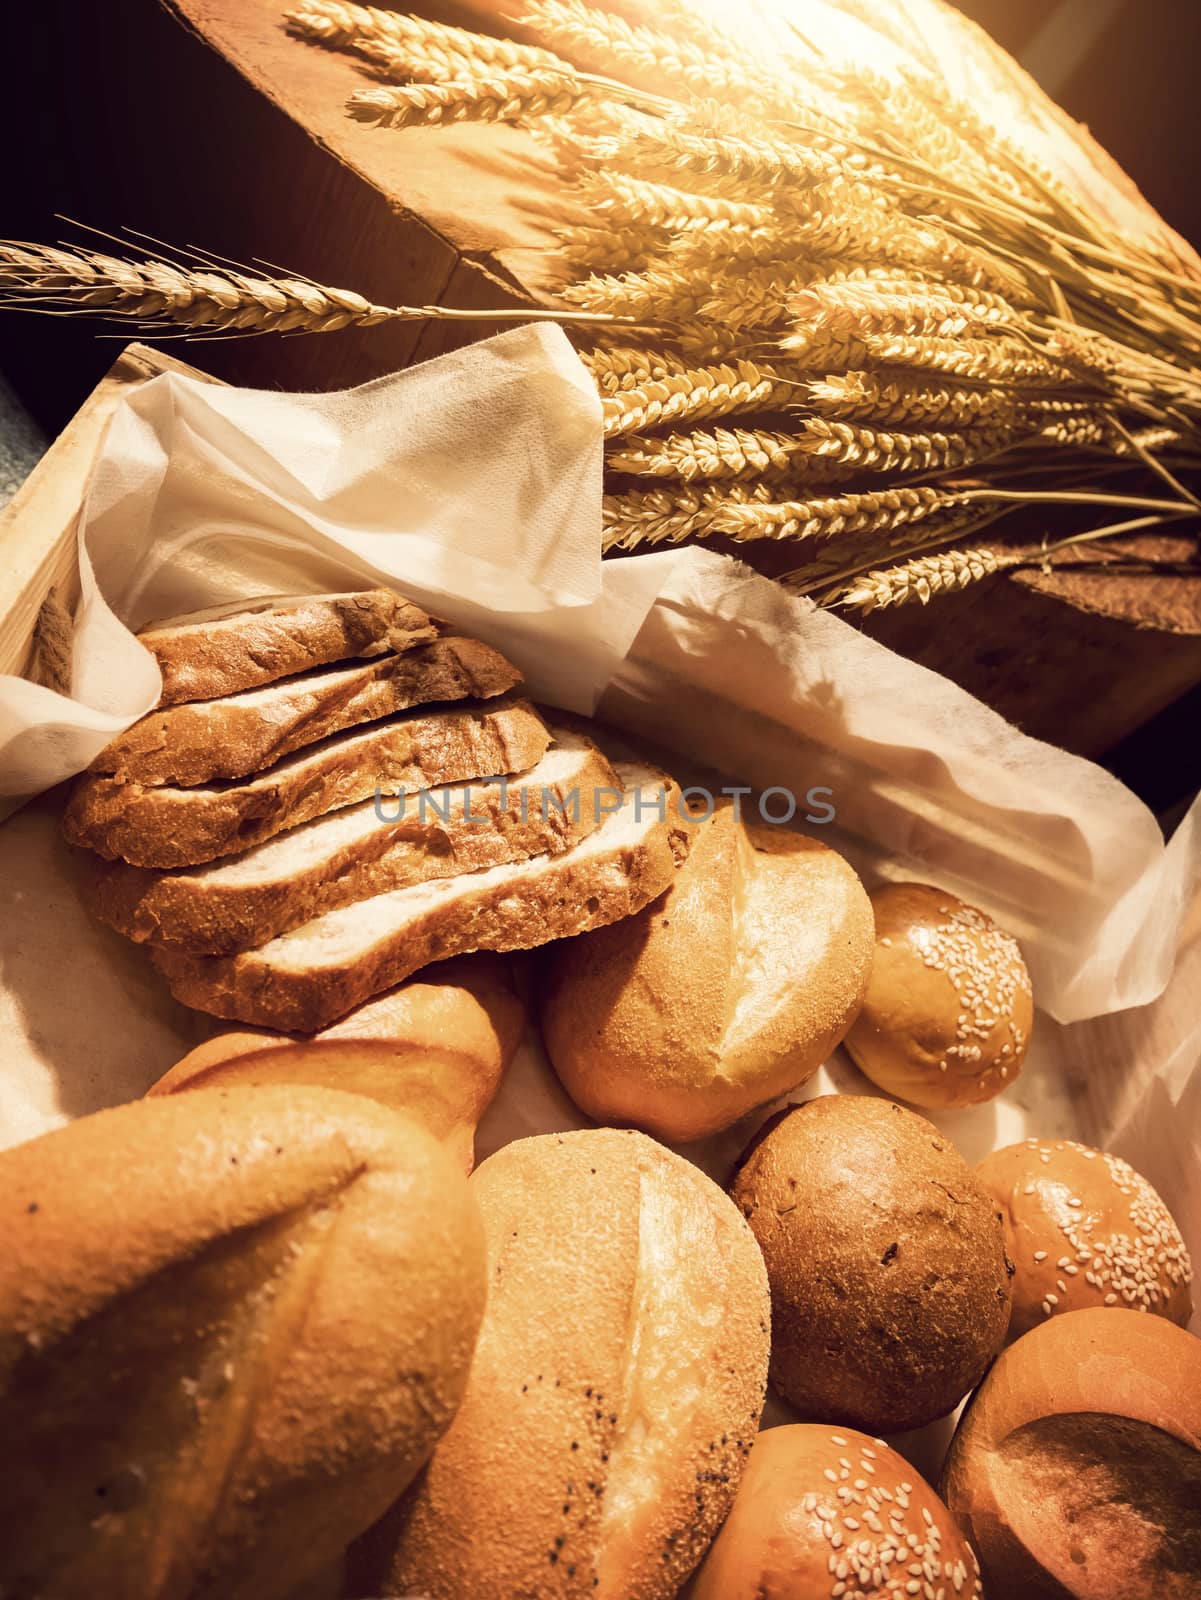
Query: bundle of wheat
x=820, y=302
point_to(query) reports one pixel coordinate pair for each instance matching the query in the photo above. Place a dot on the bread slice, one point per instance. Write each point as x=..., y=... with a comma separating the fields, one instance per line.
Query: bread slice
x=304, y=979
x=209, y=740
x=230, y=648
x=162, y=826
x=244, y=900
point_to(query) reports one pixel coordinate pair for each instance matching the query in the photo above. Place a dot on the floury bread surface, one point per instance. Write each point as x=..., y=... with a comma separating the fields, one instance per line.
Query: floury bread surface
x=615, y=1391
x=730, y=991
x=233, y=1324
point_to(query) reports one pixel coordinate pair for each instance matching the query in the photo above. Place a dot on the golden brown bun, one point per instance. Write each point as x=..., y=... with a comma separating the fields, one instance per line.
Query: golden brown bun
x=890, y=1287
x=435, y=1048
x=1076, y=1469
x=1083, y=1229
x=817, y=1508
x=232, y=1327
x=615, y=1391
x=729, y=991
x=947, y=1014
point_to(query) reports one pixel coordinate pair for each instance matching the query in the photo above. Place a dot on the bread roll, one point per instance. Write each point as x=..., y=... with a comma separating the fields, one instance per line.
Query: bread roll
x=615, y=1391
x=821, y=1513
x=435, y=1048
x=233, y=1325
x=729, y=991
x=1076, y=1469
x=1083, y=1229
x=948, y=1011
x=889, y=1282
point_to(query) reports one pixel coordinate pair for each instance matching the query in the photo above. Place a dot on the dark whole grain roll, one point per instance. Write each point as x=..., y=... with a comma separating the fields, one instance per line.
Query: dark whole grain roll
x=889, y=1279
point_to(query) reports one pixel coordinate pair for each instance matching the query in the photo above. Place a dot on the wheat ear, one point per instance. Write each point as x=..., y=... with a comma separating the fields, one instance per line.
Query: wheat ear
x=694, y=395
x=200, y=300
x=873, y=511
x=502, y=97
x=721, y=453
x=896, y=450
x=341, y=26
x=882, y=398
x=924, y=578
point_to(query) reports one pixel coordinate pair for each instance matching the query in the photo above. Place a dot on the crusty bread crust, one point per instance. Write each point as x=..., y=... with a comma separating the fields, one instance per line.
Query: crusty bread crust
x=615, y=1391
x=206, y=913
x=890, y=1284
x=730, y=993
x=213, y=740
x=811, y=1494
x=507, y=908
x=233, y=1325
x=1076, y=1468
x=434, y=1048
x=277, y=636
x=162, y=826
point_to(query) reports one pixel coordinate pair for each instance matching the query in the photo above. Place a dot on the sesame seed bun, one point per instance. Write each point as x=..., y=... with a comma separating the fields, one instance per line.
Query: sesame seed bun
x=948, y=1011
x=822, y=1513
x=1083, y=1229
x=615, y=1391
x=1076, y=1469
x=889, y=1283
x=729, y=991
x=233, y=1324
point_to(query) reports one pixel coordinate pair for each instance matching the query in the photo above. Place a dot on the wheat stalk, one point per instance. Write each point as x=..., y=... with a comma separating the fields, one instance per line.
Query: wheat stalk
x=203, y=300
x=901, y=451
x=658, y=205
x=924, y=578
x=874, y=511
x=502, y=97
x=341, y=26
x=720, y=453
x=885, y=397
x=696, y=394
x=608, y=43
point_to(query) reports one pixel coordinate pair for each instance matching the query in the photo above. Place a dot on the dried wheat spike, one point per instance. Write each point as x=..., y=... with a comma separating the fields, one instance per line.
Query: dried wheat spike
x=162, y=291
x=729, y=161
x=752, y=298
x=617, y=250
x=659, y=516
x=885, y=450
x=341, y=26
x=607, y=43
x=924, y=578
x=504, y=97
x=887, y=397
x=618, y=368
x=694, y=395
x=992, y=360
x=720, y=453
x=899, y=305
x=660, y=206
x=871, y=511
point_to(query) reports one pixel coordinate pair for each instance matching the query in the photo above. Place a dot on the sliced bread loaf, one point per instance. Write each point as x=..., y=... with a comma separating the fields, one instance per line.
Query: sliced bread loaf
x=302, y=980
x=366, y=849
x=230, y=648
x=206, y=741
x=163, y=826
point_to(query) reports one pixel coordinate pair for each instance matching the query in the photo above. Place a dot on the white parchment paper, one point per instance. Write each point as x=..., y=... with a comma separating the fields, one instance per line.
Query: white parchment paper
x=473, y=484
